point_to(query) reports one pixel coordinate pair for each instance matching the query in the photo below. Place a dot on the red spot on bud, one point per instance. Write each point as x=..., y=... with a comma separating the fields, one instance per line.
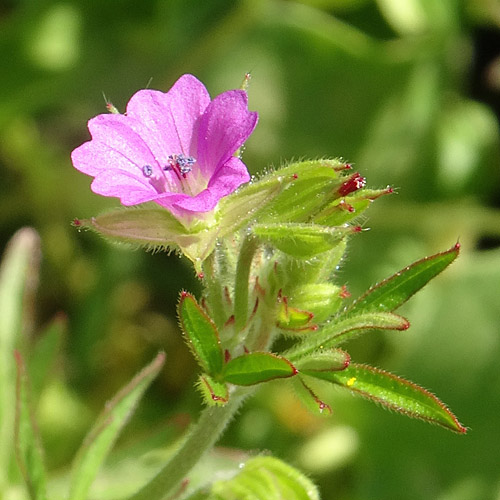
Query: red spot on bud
x=356, y=229
x=201, y=275
x=457, y=245
x=356, y=181
x=245, y=349
x=76, y=222
x=343, y=166
x=184, y=294
x=344, y=292
x=227, y=355
x=295, y=176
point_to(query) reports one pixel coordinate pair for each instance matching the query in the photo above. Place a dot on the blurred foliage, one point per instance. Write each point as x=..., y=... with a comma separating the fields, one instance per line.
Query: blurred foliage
x=408, y=90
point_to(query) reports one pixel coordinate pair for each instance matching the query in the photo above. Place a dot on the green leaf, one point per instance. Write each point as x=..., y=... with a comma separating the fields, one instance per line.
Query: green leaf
x=257, y=367
x=309, y=399
x=266, y=478
x=301, y=241
x=342, y=329
x=393, y=392
x=214, y=392
x=28, y=449
x=109, y=424
x=19, y=267
x=201, y=334
x=326, y=360
x=396, y=290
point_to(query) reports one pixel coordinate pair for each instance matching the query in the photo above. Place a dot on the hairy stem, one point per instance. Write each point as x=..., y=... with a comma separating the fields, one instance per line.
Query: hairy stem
x=200, y=439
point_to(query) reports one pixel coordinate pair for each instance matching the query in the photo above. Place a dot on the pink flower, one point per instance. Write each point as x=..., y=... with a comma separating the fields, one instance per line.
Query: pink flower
x=173, y=148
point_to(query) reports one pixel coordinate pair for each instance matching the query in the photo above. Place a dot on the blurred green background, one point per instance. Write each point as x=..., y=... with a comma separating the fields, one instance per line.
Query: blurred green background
x=406, y=90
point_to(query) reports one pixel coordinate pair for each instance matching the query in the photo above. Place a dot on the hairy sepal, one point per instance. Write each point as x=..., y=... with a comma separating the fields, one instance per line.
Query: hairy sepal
x=214, y=393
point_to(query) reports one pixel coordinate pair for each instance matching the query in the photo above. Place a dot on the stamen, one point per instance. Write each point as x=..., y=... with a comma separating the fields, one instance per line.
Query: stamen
x=180, y=164
x=147, y=170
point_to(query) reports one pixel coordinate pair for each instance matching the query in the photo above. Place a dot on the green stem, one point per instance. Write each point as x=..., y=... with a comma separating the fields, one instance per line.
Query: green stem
x=200, y=439
x=241, y=285
x=214, y=290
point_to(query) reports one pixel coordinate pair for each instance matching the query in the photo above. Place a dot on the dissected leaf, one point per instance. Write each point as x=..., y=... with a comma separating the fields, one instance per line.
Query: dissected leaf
x=325, y=360
x=397, y=289
x=393, y=392
x=340, y=330
x=28, y=449
x=201, y=334
x=301, y=241
x=103, y=434
x=309, y=399
x=257, y=367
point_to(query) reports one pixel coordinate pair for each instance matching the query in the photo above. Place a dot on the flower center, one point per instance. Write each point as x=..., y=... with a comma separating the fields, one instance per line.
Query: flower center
x=180, y=164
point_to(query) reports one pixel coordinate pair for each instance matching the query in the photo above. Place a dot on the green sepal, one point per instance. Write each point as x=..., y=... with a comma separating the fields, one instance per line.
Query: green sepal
x=325, y=360
x=346, y=209
x=321, y=299
x=301, y=241
x=336, y=332
x=214, y=393
x=201, y=334
x=265, y=478
x=257, y=367
x=394, y=291
x=28, y=449
x=292, y=318
x=309, y=398
x=155, y=228
x=99, y=441
x=394, y=393
x=310, y=186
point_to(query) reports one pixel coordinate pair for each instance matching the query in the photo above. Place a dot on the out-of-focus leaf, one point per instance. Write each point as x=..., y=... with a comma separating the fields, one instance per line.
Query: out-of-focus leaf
x=397, y=289
x=201, y=334
x=393, y=392
x=103, y=434
x=16, y=274
x=29, y=453
x=44, y=352
x=257, y=367
x=266, y=478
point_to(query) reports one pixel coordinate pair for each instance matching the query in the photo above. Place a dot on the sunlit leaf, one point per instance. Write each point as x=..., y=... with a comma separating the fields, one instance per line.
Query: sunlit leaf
x=100, y=439
x=393, y=392
x=338, y=331
x=257, y=367
x=397, y=289
x=309, y=399
x=201, y=334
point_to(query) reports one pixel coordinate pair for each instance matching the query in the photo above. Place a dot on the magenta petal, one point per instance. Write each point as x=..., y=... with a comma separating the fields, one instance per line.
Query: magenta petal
x=224, y=127
x=171, y=118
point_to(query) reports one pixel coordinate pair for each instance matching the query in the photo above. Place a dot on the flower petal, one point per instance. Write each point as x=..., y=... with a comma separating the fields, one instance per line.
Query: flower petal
x=171, y=118
x=224, y=127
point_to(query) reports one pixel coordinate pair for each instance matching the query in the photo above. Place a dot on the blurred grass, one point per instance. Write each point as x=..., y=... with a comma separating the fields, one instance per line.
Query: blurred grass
x=406, y=90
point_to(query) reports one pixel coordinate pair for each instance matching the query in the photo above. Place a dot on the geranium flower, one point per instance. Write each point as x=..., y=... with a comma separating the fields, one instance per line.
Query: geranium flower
x=175, y=148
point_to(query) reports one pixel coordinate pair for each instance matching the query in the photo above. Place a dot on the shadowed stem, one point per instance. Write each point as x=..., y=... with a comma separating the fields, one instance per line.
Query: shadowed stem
x=200, y=438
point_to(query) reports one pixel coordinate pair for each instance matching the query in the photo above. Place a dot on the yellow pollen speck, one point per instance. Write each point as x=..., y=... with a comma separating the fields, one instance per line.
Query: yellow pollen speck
x=351, y=381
